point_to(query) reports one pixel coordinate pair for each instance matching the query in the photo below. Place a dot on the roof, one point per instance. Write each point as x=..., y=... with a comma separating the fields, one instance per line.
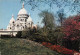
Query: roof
x=23, y=10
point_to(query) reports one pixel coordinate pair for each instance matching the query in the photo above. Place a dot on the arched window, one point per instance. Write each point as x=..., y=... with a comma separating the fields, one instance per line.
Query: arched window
x=23, y=26
x=10, y=27
x=21, y=19
x=17, y=25
x=17, y=19
x=29, y=23
x=13, y=21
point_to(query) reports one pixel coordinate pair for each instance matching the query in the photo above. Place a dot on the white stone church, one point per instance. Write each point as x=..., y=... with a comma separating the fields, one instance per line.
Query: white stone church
x=23, y=21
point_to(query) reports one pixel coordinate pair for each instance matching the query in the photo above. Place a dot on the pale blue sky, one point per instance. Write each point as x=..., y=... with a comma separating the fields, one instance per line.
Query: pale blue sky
x=9, y=7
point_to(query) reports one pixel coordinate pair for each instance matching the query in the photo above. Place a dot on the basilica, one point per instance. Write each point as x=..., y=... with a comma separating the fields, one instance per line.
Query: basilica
x=22, y=21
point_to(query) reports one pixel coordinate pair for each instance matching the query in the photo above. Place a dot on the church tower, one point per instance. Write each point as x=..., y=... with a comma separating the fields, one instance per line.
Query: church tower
x=29, y=22
x=11, y=25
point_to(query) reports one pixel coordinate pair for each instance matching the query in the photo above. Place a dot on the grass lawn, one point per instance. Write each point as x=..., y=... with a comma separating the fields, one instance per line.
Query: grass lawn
x=17, y=46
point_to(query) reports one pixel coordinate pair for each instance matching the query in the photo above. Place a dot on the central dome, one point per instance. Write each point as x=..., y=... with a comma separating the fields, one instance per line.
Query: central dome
x=22, y=11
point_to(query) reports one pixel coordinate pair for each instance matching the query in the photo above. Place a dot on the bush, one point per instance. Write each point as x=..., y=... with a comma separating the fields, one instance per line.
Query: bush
x=19, y=34
x=5, y=36
x=43, y=35
x=59, y=48
x=71, y=29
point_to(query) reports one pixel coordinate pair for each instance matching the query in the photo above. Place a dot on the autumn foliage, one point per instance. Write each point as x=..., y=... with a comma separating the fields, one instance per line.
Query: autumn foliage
x=58, y=48
x=71, y=28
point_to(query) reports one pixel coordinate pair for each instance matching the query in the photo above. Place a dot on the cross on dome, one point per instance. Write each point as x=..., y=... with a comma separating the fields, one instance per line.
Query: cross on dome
x=23, y=5
x=12, y=15
x=22, y=10
x=12, y=19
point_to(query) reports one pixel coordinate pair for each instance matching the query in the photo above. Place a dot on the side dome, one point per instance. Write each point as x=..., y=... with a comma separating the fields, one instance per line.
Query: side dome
x=22, y=11
x=29, y=19
x=12, y=19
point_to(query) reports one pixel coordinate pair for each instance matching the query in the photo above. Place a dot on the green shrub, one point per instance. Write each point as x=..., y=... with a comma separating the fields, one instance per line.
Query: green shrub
x=19, y=34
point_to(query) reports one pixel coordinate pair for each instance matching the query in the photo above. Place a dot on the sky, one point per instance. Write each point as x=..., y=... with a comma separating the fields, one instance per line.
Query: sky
x=9, y=7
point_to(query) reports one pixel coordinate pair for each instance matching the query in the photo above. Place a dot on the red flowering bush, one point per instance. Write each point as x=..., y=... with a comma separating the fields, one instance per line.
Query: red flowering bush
x=59, y=48
x=46, y=44
x=71, y=28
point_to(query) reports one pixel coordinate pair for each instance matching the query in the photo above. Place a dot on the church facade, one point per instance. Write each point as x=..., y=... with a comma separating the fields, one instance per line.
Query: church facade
x=22, y=21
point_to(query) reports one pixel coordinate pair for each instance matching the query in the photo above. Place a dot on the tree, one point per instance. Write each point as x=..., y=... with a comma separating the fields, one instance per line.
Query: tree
x=71, y=27
x=61, y=16
x=58, y=34
x=73, y=5
x=26, y=33
x=48, y=19
x=19, y=34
